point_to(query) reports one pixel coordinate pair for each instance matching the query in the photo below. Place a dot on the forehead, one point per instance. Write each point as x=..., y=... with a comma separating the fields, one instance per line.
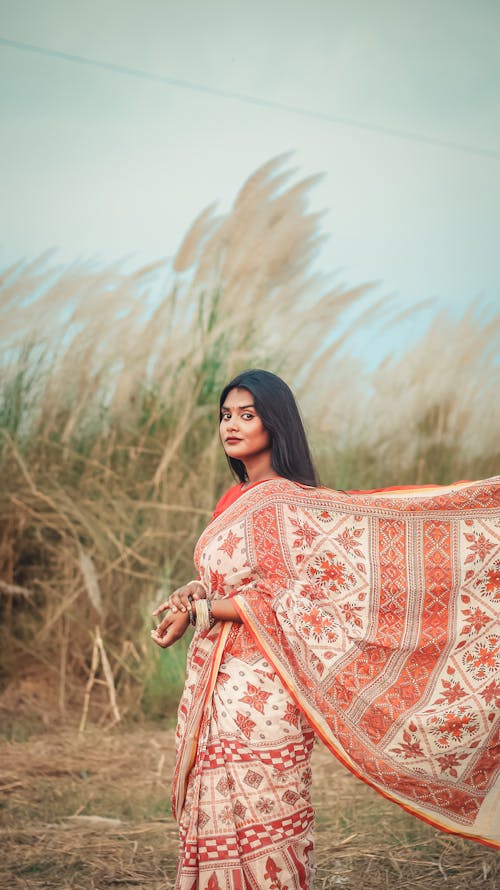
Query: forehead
x=238, y=398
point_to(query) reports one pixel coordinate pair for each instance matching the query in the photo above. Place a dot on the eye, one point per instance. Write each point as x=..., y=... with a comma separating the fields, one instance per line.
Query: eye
x=248, y=416
x=225, y=416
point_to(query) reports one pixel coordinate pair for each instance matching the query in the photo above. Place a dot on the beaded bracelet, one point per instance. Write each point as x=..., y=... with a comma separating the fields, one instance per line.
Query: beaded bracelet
x=192, y=614
x=211, y=619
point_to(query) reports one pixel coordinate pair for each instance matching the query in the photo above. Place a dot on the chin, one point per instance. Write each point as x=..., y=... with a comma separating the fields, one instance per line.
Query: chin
x=234, y=451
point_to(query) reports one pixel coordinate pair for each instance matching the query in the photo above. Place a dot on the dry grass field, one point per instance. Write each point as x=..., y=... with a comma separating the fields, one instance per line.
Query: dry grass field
x=90, y=812
x=109, y=468
x=109, y=456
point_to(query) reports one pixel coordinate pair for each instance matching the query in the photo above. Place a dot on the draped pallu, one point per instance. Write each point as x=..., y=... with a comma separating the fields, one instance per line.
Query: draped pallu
x=370, y=620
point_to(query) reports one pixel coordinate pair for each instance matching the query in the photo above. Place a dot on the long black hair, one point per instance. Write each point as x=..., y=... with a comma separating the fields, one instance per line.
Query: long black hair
x=276, y=406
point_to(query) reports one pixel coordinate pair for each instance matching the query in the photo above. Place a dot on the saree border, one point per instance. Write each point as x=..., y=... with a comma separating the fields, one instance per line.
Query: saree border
x=188, y=752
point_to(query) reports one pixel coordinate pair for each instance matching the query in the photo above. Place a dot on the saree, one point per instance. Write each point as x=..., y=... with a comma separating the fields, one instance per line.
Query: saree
x=369, y=620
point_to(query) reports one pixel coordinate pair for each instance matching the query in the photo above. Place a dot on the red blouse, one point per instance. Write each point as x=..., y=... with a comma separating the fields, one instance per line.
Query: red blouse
x=232, y=495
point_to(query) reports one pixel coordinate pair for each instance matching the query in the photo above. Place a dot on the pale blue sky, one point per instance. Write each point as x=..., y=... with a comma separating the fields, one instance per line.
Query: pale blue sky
x=99, y=163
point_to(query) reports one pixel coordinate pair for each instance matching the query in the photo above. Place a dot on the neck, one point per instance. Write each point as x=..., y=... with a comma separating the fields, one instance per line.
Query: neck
x=259, y=468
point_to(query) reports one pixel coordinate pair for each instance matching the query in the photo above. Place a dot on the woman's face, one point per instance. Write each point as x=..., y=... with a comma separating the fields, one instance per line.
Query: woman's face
x=241, y=430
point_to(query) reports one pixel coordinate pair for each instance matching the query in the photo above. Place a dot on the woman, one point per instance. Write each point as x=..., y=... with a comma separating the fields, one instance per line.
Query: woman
x=365, y=618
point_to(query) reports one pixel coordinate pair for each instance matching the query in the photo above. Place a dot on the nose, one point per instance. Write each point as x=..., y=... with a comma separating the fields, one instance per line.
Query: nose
x=232, y=424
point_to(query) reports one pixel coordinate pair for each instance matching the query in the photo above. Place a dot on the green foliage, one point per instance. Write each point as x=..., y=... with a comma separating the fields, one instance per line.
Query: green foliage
x=163, y=679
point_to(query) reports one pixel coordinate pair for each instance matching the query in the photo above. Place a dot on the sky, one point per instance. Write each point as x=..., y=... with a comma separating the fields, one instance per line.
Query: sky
x=104, y=164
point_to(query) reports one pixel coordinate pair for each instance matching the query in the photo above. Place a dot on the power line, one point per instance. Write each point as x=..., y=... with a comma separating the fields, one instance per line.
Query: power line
x=248, y=99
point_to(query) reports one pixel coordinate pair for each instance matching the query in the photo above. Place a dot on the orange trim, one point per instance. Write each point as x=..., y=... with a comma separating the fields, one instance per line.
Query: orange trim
x=240, y=608
x=214, y=670
x=414, y=489
x=424, y=487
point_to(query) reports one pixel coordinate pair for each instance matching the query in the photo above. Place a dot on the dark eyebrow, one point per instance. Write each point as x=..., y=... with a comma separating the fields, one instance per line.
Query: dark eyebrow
x=240, y=407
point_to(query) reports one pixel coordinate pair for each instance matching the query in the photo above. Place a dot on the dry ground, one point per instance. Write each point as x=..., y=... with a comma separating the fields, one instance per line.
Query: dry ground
x=91, y=813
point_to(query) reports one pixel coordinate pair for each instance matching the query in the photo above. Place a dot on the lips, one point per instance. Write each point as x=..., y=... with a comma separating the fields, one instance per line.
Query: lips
x=231, y=440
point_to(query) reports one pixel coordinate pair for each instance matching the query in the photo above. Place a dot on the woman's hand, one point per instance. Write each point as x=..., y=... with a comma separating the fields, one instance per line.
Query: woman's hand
x=171, y=629
x=178, y=601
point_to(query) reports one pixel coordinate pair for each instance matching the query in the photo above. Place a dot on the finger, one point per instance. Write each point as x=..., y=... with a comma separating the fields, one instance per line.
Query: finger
x=164, y=625
x=183, y=601
x=163, y=642
x=161, y=608
x=198, y=591
x=166, y=639
x=177, y=603
x=162, y=630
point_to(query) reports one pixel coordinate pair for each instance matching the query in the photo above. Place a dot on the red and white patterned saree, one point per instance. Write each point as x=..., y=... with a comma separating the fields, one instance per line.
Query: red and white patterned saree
x=369, y=619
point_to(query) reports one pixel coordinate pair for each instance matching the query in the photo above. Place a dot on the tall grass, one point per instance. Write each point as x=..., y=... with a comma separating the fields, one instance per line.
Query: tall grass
x=110, y=463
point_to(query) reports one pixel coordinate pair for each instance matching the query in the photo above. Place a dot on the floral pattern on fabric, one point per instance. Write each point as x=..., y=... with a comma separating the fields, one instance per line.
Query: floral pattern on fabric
x=370, y=618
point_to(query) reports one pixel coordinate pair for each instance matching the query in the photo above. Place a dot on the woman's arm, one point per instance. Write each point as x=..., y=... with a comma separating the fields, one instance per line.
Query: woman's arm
x=176, y=621
x=171, y=629
x=222, y=610
x=178, y=601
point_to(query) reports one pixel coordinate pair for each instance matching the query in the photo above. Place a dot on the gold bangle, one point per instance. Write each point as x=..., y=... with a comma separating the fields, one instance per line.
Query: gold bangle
x=202, y=615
